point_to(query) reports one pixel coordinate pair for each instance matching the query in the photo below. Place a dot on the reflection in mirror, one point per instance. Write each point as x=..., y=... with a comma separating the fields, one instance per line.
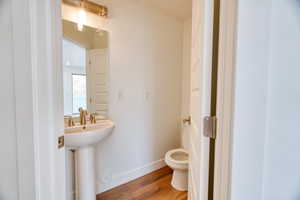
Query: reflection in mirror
x=85, y=65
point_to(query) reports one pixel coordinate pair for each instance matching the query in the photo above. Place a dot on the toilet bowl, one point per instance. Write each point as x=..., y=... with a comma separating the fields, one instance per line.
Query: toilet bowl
x=177, y=159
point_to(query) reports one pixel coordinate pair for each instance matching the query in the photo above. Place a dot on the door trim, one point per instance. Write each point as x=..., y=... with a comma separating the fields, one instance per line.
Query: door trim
x=38, y=97
x=47, y=97
x=214, y=93
x=24, y=111
x=225, y=99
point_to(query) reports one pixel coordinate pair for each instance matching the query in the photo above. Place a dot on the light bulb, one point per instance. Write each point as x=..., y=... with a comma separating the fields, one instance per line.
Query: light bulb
x=81, y=19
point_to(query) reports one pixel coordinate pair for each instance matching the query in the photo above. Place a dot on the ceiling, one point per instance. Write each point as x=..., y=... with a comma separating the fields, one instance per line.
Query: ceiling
x=181, y=9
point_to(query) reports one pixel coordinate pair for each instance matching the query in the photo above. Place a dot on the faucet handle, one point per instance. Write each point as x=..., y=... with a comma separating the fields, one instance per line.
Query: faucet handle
x=93, y=118
x=71, y=121
x=82, y=111
x=83, y=114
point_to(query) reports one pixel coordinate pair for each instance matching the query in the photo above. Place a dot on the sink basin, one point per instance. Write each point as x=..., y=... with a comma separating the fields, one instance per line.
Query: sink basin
x=82, y=139
x=80, y=136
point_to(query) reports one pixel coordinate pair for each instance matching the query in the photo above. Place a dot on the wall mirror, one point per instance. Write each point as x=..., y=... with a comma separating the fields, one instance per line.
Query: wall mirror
x=85, y=67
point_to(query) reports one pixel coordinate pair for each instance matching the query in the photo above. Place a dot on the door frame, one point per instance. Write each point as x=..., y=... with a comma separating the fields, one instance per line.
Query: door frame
x=36, y=27
x=23, y=100
x=225, y=99
x=46, y=50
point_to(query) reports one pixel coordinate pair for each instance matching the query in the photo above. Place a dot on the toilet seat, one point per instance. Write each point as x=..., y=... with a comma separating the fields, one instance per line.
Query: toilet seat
x=179, y=161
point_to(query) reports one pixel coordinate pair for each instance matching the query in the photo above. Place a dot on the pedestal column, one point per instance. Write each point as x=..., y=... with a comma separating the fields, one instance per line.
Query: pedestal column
x=86, y=173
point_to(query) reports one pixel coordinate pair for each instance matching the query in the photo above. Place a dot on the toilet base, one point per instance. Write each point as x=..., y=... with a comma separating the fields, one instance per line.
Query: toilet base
x=180, y=180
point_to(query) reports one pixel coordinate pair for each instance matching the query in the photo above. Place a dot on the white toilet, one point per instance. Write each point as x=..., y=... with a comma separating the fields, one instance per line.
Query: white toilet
x=178, y=160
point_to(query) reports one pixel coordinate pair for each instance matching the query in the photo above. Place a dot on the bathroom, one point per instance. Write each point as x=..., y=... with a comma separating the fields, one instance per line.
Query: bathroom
x=73, y=130
x=144, y=86
x=219, y=79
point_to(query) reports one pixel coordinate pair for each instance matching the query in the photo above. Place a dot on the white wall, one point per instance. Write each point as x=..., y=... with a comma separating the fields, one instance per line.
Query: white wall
x=186, y=81
x=266, y=140
x=282, y=163
x=73, y=54
x=250, y=99
x=8, y=151
x=17, y=175
x=145, y=91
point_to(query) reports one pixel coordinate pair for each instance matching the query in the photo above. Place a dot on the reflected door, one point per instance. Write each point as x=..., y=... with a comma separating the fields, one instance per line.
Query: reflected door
x=98, y=81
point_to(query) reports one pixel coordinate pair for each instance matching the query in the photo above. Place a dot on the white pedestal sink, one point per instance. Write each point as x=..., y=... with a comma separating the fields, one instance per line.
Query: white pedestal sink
x=83, y=139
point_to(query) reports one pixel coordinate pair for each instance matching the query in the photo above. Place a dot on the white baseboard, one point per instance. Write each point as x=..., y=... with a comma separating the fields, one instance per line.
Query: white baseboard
x=128, y=176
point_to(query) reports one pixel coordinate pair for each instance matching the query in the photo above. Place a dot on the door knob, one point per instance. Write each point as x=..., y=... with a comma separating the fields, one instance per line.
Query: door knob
x=187, y=120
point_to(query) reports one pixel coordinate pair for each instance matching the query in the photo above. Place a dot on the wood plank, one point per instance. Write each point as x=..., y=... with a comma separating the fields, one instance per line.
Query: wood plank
x=153, y=186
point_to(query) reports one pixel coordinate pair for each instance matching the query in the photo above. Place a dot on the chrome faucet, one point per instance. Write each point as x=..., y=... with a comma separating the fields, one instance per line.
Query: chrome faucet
x=83, y=114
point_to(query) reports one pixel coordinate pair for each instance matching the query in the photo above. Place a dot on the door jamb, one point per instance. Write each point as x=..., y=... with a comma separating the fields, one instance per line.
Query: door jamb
x=214, y=95
x=47, y=94
x=38, y=97
x=225, y=99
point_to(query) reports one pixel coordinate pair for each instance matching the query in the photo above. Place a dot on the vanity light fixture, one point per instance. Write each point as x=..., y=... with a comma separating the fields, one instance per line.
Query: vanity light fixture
x=88, y=6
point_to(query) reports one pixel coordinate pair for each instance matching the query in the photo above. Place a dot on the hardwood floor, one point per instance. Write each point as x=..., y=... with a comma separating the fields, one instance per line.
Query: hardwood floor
x=154, y=186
